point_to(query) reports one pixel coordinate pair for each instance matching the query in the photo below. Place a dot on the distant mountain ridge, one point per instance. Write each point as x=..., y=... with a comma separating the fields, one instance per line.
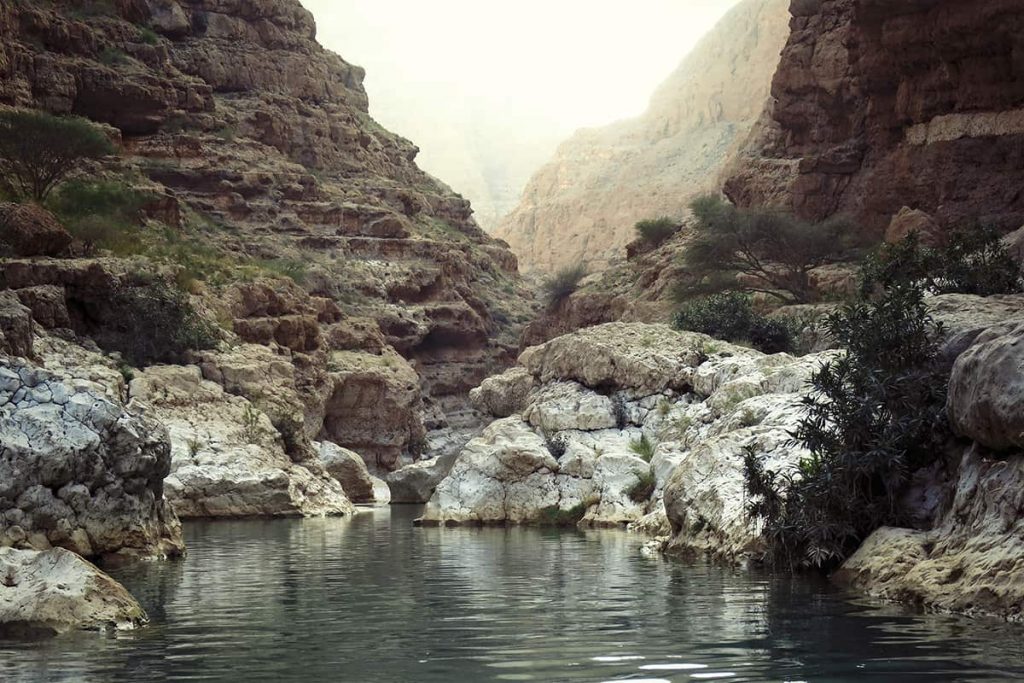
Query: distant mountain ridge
x=581, y=206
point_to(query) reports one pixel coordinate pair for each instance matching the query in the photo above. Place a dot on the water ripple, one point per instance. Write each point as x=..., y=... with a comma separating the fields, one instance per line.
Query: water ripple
x=374, y=599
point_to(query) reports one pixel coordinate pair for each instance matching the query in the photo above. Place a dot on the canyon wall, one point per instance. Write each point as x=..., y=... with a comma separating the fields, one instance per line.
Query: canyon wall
x=305, y=229
x=582, y=206
x=881, y=104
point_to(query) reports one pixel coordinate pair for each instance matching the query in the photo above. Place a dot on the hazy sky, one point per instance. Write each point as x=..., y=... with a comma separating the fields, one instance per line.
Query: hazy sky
x=569, y=63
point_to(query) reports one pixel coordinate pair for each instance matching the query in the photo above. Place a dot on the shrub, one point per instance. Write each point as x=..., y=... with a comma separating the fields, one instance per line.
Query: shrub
x=296, y=271
x=112, y=56
x=38, y=151
x=757, y=250
x=643, y=447
x=563, y=283
x=874, y=417
x=101, y=214
x=972, y=261
x=154, y=323
x=731, y=316
x=148, y=36
x=657, y=230
x=644, y=487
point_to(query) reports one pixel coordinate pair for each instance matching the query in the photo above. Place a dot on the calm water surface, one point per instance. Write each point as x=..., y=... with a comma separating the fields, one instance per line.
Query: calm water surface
x=374, y=599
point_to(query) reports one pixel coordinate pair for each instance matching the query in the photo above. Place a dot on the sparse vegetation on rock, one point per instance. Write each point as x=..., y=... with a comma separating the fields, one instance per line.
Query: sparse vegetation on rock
x=563, y=283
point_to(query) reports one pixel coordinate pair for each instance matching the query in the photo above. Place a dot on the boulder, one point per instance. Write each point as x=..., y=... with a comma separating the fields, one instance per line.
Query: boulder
x=986, y=390
x=47, y=304
x=349, y=469
x=645, y=359
x=965, y=316
x=48, y=593
x=80, y=471
x=558, y=406
x=503, y=395
x=30, y=230
x=415, y=483
x=15, y=326
x=909, y=220
x=228, y=459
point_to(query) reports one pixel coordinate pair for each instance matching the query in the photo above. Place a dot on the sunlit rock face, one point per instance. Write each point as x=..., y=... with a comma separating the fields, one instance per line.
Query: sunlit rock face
x=79, y=470
x=886, y=104
x=258, y=144
x=48, y=593
x=630, y=424
x=582, y=206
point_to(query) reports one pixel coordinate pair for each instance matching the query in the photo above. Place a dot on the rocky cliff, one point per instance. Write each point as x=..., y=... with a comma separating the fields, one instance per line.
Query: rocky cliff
x=583, y=205
x=358, y=299
x=884, y=104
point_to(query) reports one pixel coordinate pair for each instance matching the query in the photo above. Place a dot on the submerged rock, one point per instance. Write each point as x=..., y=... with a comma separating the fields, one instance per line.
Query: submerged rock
x=80, y=471
x=53, y=592
x=228, y=459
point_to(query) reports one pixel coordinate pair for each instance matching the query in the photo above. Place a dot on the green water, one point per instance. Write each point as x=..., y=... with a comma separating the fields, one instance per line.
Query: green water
x=375, y=599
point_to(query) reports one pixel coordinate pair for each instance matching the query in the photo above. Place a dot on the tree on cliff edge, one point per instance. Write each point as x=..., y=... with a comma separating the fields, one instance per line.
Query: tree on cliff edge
x=758, y=250
x=38, y=150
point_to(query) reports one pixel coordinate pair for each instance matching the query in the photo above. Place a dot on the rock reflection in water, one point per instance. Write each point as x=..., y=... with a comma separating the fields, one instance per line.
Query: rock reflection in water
x=374, y=599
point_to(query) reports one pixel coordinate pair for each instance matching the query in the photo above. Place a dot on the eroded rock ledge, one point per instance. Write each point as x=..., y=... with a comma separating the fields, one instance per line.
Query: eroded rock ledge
x=583, y=413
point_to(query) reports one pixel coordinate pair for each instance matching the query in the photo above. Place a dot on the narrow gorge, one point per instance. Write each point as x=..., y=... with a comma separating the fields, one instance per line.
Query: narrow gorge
x=735, y=391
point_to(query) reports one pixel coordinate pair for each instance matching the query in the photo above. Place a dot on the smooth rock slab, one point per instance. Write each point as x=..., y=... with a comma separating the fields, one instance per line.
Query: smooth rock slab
x=53, y=592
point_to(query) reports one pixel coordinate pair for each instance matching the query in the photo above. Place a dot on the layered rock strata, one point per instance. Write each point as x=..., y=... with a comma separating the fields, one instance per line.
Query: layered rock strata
x=883, y=106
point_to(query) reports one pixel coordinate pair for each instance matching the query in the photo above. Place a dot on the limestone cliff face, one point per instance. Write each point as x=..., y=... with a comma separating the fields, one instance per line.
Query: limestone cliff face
x=881, y=104
x=583, y=205
x=258, y=144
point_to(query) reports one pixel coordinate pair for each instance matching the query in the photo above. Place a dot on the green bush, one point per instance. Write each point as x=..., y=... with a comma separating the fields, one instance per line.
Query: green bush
x=644, y=487
x=563, y=283
x=103, y=214
x=657, y=230
x=972, y=261
x=38, y=150
x=643, y=447
x=758, y=250
x=874, y=417
x=148, y=36
x=154, y=323
x=731, y=316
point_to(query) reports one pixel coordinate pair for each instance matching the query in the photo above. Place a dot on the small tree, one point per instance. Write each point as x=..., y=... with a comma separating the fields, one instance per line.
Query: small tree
x=38, y=150
x=758, y=250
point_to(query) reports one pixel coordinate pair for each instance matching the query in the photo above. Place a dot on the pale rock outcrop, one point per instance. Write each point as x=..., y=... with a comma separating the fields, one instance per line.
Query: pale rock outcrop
x=15, y=326
x=350, y=470
x=48, y=593
x=505, y=394
x=965, y=316
x=645, y=359
x=228, y=459
x=415, y=483
x=79, y=470
x=558, y=406
x=605, y=395
x=986, y=390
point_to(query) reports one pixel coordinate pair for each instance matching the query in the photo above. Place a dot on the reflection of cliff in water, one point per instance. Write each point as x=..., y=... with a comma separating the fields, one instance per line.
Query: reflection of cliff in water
x=374, y=599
